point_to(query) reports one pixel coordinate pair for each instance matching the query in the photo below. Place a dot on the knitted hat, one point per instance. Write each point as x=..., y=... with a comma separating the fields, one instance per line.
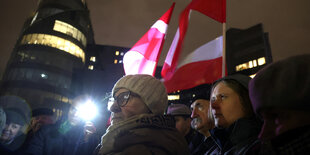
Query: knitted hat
x=179, y=110
x=152, y=91
x=283, y=84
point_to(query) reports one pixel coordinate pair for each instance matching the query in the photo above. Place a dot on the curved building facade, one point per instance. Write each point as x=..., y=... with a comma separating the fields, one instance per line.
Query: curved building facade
x=52, y=44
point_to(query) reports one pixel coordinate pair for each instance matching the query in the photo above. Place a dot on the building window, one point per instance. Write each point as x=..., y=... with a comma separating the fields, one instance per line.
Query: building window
x=254, y=63
x=251, y=64
x=122, y=53
x=55, y=42
x=65, y=99
x=173, y=97
x=90, y=67
x=261, y=61
x=116, y=52
x=70, y=30
x=120, y=61
x=115, y=61
x=93, y=59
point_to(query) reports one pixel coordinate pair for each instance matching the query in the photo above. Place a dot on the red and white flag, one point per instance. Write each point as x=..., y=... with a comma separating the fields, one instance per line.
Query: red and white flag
x=199, y=67
x=143, y=57
x=215, y=9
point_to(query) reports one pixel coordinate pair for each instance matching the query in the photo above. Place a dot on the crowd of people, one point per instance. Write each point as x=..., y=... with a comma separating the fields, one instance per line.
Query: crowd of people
x=268, y=114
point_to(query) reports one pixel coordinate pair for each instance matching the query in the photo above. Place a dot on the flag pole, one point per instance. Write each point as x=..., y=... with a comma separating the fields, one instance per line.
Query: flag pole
x=224, y=51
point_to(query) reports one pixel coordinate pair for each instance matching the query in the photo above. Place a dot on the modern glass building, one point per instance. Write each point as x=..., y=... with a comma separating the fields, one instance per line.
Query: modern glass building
x=52, y=44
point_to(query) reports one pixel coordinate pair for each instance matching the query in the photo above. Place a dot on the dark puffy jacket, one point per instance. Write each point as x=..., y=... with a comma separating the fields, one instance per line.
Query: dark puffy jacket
x=239, y=138
x=61, y=139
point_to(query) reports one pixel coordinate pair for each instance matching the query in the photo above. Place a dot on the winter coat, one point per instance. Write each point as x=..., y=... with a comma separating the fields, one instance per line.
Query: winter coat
x=144, y=134
x=195, y=141
x=61, y=139
x=295, y=141
x=239, y=138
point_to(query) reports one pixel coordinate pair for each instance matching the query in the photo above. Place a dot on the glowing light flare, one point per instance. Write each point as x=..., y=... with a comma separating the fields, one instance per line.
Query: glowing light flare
x=87, y=111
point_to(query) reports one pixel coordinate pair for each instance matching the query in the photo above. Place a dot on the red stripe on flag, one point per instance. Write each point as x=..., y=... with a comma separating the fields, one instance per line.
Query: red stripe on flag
x=215, y=9
x=194, y=74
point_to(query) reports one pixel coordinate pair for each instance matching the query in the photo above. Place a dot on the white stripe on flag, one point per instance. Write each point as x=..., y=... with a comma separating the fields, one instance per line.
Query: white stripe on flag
x=161, y=26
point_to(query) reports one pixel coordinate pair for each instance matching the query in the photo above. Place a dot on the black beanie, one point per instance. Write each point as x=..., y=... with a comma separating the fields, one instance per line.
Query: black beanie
x=241, y=79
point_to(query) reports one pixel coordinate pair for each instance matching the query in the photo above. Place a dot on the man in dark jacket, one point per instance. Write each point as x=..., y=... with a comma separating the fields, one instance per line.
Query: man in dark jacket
x=41, y=117
x=202, y=121
x=64, y=138
x=182, y=116
x=280, y=94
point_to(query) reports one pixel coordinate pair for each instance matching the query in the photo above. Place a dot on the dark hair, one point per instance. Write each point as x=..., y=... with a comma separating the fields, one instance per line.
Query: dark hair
x=241, y=91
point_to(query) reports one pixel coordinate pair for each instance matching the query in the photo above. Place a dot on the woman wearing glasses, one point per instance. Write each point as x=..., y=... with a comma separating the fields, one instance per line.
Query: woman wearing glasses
x=237, y=126
x=138, y=124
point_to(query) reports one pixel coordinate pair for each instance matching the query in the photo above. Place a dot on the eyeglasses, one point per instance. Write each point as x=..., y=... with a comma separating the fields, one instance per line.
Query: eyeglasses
x=123, y=98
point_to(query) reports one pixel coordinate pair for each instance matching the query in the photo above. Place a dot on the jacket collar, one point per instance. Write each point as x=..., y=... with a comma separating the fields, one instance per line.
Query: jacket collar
x=239, y=131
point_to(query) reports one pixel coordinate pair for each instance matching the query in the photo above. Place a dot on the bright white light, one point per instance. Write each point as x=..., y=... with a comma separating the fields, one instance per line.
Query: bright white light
x=87, y=111
x=44, y=76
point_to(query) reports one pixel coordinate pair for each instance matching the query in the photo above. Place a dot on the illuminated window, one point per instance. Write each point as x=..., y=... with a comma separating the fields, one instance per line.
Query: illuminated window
x=90, y=67
x=173, y=97
x=70, y=30
x=254, y=63
x=115, y=61
x=194, y=95
x=65, y=99
x=93, y=59
x=56, y=42
x=122, y=53
x=242, y=67
x=250, y=64
x=252, y=76
x=117, y=53
x=261, y=61
x=120, y=61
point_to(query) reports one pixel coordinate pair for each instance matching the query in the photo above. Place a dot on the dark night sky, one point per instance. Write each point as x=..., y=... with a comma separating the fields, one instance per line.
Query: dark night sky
x=123, y=22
